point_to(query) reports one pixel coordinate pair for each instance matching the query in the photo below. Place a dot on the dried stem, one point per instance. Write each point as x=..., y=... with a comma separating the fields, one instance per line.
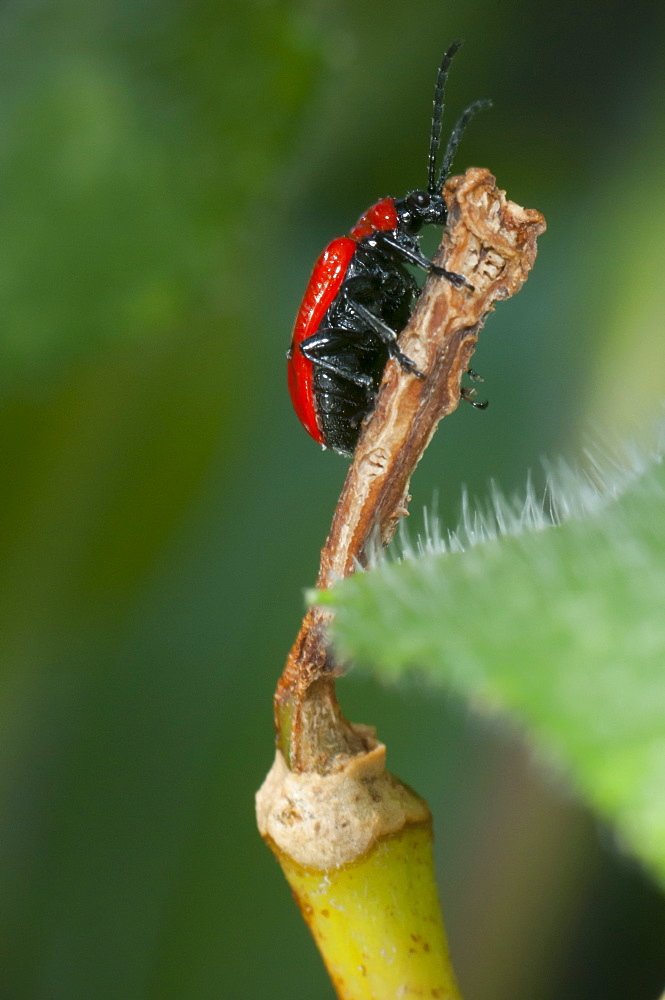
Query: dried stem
x=492, y=242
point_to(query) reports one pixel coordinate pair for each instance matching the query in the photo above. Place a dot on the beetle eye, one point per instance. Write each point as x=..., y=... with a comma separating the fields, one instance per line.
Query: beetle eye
x=419, y=199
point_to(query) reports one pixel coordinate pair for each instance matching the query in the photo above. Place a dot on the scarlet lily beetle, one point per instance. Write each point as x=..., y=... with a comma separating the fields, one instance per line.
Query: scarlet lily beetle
x=360, y=296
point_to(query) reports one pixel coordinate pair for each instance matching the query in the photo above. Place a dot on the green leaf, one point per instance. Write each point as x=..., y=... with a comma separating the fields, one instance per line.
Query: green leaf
x=555, y=619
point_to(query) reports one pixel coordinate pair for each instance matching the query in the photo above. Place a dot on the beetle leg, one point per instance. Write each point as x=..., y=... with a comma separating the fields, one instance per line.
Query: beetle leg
x=413, y=255
x=320, y=350
x=386, y=334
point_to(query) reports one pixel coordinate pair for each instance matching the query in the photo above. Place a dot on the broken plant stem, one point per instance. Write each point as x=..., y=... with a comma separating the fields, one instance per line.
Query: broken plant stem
x=354, y=843
x=492, y=243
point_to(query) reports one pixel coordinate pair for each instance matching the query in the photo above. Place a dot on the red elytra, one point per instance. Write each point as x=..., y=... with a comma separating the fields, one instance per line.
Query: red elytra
x=324, y=284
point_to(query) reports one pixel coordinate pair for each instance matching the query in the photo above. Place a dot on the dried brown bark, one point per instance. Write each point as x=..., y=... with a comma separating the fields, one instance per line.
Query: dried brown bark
x=492, y=242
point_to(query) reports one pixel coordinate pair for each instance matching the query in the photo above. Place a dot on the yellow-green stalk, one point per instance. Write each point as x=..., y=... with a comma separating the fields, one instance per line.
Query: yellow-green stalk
x=356, y=848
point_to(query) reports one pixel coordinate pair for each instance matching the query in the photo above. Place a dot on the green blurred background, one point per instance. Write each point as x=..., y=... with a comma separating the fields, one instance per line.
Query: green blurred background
x=169, y=171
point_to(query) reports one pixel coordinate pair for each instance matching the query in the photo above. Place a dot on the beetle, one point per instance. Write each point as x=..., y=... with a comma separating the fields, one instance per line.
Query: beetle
x=360, y=296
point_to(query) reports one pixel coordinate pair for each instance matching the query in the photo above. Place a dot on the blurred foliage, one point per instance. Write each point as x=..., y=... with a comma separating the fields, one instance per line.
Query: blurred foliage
x=169, y=172
x=558, y=627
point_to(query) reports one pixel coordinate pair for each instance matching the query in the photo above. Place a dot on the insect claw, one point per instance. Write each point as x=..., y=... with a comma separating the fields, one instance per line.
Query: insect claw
x=406, y=364
x=456, y=280
x=469, y=396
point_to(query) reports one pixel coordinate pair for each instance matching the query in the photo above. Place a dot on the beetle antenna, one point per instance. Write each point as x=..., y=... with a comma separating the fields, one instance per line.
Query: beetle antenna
x=455, y=137
x=435, y=134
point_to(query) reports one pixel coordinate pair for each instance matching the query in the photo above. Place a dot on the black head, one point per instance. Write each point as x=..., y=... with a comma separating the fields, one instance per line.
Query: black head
x=420, y=208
